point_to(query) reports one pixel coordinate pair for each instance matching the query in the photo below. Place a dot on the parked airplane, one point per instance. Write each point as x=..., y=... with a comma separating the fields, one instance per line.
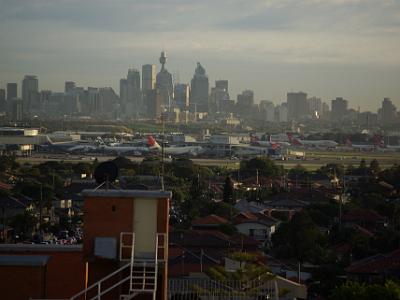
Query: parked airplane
x=68, y=147
x=149, y=145
x=377, y=144
x=254, y=141
x=327, y=144
x=248, y=150
x=177, y=150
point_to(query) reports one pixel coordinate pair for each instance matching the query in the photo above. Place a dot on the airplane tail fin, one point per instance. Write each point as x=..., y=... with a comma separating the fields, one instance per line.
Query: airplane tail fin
x=152, y=143
x=379, y=141
x=253, y=139
x=293, y=140
x=275, y=146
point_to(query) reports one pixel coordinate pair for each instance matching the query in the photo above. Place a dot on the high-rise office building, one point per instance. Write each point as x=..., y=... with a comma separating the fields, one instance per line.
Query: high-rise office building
x=297, y=105
x=267, y=111
x=69, y=86
x=134, y=94
x=2, y=100
x=368, y=119
x=30, y=92
x=16, y=109
x=164, y=85
x=281, y=113
x=315, y=107
x=199, y=90
x=245, y=103
x=148, y=77
x=222, y=84
x=218, y=95
x=12, y=91
x=123, y=94
x=339, y=107
x=181, y=96
x=388, y=112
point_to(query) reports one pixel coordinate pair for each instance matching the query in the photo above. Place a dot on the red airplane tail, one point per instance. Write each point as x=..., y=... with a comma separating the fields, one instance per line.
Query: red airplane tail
x=151, y=142
x=379, y=141
x=293, y=140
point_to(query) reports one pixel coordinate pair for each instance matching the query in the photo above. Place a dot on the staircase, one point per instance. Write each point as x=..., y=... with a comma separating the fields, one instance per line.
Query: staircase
x=139, y=276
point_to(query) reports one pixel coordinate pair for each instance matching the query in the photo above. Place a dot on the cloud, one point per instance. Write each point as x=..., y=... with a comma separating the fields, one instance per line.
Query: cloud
x=76, y=35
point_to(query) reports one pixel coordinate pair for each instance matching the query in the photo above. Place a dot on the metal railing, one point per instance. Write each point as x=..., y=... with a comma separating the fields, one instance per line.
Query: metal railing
x=207, y=289
x=101, y=288
x=123, y=245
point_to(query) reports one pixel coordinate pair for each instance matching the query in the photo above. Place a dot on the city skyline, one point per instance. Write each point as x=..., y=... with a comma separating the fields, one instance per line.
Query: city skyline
x=328, y=49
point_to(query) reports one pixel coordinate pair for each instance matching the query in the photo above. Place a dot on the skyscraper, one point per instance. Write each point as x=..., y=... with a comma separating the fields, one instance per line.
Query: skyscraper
x=315, y=107
x=297, y=105
x=2, y=100
x=267, y=111
x=30, y=92
x=339, y=108
x=69, y=86
x=11, y=91
x=134, y=94
x=164, y=84
x=123, y=94
x=199, y=90
x=181, y=96
x=218, y=95
x=222, y=84
x=245, y=102
x=148, y=77
x=388, y=112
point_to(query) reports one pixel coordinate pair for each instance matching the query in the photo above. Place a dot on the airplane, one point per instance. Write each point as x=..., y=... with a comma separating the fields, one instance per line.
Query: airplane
x=248, y=150
x=270, y=144
x=311, y=143
x=69, y=147
x=377, y=144
x=151, y=145
x=177, y=150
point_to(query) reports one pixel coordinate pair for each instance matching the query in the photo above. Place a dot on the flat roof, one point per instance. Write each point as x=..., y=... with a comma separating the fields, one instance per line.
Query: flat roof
x=39, y=248
x=24, y=260
x=148, y=194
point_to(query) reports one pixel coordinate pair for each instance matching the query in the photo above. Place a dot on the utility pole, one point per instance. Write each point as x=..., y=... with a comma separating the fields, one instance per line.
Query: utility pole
x=41, y=210
x=341, y=202
x=162, y=150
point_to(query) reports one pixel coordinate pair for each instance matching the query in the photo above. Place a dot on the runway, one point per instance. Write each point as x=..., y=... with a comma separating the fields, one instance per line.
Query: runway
x=314, y=160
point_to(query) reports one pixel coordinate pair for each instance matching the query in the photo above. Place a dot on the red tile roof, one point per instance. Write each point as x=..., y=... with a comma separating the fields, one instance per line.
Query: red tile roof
x=5, y=186
x=366, y=215
x=376, y=264
x=210, y=220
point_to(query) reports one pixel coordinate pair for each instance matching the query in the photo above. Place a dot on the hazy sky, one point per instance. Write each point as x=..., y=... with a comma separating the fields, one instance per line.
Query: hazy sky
x=327, y=48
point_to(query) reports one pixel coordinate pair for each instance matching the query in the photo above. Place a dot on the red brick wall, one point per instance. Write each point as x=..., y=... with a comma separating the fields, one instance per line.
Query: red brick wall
x=21, y=283
x=102, y=221
x=65, y=275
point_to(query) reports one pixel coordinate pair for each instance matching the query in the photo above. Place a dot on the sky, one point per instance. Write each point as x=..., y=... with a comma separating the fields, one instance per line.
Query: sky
x=327, y=48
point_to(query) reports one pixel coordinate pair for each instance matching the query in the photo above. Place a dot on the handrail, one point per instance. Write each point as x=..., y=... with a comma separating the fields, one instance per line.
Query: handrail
x=122, y=245
x=98, y=283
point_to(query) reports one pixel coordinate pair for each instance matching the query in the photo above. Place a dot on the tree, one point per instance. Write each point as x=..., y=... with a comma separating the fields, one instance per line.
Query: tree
x=298, y=172
x=228, y=191
x=362, y=168
x=263, y=165
x=357, y=291
x=300, y=238
x=374, y=167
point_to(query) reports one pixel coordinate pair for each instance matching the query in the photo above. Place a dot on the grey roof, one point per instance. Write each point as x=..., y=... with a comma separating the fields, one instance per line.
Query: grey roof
x=24, y=260
x=38, y=248
x=127, y=193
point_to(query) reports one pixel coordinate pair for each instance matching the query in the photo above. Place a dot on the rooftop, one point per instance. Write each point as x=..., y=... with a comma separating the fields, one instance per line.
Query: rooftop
x=127, y=193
